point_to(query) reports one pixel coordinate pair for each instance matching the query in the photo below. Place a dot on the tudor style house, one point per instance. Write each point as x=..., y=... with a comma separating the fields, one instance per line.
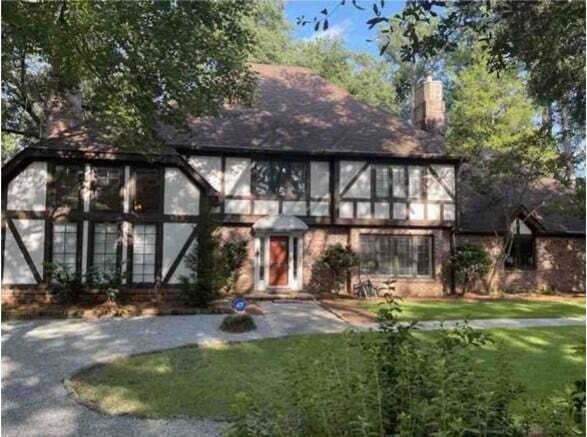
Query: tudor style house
x=307, y=167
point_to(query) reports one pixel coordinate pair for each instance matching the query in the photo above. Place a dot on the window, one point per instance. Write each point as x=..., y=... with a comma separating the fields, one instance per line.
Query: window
x=107, y=188
x=415, y=189
x=381, y=181
x=280, y=178
x=147, y=189
x=65, y=245
x=399, y=182
x=105, y=255
x=143, y=256
x=396, y=255
x=521, y=255
x=66, y=186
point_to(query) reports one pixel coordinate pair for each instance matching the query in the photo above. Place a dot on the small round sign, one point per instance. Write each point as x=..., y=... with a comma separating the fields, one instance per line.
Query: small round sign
x=239, y=303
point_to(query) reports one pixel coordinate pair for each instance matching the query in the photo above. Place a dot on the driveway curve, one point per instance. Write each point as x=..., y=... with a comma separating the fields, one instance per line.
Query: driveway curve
x=38, y=355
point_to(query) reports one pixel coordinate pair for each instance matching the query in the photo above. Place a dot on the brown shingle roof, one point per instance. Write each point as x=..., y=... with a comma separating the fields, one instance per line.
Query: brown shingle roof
x=553, y=206
x=300, y=111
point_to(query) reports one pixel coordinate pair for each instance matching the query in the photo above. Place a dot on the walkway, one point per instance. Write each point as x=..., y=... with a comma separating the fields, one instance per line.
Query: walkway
x=38, y=355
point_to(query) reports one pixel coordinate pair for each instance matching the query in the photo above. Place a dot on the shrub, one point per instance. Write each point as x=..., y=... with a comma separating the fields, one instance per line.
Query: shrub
x=469, y=263
x=237, y=323
x=67, y=284
x=202, y=284
x=233, y=254
x=109, y=280
x=331, y=269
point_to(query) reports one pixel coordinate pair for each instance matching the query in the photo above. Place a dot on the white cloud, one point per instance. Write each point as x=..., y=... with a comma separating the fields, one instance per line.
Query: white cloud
x=339, y=30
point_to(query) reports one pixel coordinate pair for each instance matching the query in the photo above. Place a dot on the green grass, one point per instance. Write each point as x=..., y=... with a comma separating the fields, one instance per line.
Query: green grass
x=456, y=309
x=206, y=381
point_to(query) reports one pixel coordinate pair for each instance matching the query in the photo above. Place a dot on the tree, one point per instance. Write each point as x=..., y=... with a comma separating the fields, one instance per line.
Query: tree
x=546, y=37
x=488, y=112
x=134, y=64
x=363, y=76
x=271, y=32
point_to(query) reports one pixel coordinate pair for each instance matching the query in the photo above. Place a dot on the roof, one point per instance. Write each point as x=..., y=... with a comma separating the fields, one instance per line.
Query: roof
x=550, y=204
x=297, y=110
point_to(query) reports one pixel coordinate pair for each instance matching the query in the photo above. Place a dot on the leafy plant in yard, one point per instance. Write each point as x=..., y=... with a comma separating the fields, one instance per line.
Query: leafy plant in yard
x=202, y=284
x=109, y=280
x=233, y=254
x=237, y=323
x=331, y=269
x=469, y=263
x=400, y=383
x=66, y=283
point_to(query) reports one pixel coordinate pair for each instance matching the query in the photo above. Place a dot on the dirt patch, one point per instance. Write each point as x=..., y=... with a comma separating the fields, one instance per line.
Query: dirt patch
x=348, y=310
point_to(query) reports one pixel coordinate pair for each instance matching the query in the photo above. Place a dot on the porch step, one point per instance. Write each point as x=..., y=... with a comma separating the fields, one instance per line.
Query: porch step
x=280, y=297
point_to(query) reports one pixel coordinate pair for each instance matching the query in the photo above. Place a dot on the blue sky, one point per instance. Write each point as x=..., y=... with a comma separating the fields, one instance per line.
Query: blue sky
x=346, y=22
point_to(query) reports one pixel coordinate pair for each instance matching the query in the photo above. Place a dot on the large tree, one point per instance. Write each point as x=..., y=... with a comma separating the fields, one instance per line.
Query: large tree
x=133, y=64
x=546, y=37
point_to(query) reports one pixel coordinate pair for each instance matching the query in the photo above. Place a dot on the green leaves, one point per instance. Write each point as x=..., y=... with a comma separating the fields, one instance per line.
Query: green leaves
x=136, y=64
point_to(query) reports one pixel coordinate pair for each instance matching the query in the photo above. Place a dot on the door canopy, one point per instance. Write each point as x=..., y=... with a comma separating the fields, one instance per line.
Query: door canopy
x=280, y=223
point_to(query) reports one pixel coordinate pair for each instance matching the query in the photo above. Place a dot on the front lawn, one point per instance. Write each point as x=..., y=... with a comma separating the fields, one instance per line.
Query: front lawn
x=483, y=309
x=206, y=381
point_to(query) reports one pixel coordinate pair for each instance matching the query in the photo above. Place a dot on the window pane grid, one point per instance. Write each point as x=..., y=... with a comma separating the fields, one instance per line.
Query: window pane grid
x=402, y=256
x=147, y=189
x=107, y=188
x=105, y=247
x=278, y=178
x=65, y=245
x=144, y=246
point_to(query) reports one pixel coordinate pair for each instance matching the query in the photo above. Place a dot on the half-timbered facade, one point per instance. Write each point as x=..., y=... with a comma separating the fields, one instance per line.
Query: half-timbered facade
x=309, y=167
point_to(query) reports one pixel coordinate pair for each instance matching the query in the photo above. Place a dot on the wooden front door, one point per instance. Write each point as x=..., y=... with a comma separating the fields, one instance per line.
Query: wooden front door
x=278, y=261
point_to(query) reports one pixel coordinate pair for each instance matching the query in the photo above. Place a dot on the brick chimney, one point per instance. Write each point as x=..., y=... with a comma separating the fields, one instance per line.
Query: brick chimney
x=428, y=112
x=64, y=113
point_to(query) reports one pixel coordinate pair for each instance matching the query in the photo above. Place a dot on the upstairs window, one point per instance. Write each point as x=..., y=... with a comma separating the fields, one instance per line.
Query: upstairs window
x=146, y=190
x=107, y=188
x=522, y=250
x=281, y=179
x=67, y=180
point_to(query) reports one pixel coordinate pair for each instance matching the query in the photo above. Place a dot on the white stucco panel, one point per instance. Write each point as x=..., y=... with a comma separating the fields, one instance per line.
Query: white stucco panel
x=319, y=179
x=433, y=211
x=237, y=206
x=174, y=237
x=237, y=177
x=400, y=211
x=210, y=168
x=346, y=210
x=449, y=212
x=294, y=207
x=16, y=270
x=363, y=209
x=446, y=173
x=362, y=186
x=319, y=209
x=32, y=234
x=181, y=194
x=266, y=207
x=416, y=211
x=28, y=190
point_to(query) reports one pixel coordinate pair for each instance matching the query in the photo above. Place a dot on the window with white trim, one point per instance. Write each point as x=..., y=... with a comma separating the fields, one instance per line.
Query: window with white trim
x=65, y=245
x=143, y=257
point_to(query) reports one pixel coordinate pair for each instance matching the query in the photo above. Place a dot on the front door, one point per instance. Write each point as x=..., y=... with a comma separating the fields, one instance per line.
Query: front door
x=278, y=261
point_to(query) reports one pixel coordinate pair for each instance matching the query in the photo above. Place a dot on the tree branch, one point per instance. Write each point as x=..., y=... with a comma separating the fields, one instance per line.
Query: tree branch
x=20, y=132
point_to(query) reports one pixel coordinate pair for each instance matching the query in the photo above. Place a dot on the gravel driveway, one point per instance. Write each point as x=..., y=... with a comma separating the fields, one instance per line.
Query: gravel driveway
x=38, y=355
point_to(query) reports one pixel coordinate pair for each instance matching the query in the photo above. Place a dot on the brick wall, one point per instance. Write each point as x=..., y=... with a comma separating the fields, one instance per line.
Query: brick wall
x=560, y=266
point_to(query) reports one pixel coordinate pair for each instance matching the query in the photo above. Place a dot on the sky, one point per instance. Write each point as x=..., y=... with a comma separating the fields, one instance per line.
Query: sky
x=346, y=21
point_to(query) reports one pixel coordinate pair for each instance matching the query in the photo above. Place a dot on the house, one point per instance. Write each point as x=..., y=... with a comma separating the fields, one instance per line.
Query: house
x=307, y=167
